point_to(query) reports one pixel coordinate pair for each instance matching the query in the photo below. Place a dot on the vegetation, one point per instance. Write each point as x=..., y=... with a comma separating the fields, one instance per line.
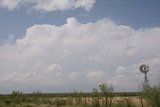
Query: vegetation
x=152, y=95
x=107, y=91
x=104, y=96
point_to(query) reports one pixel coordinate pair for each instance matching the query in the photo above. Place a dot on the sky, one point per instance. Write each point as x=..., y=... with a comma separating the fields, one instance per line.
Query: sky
x=67, y=45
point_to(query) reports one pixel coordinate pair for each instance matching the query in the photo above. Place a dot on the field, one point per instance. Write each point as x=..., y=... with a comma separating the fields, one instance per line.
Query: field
x=102, y=97
x=75, y=99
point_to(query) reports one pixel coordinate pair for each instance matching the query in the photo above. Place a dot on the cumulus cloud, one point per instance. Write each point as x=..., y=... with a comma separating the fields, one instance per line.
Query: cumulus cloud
x=67, y=56
x=53, y=67
x=9, y=4
x=131, y=51
x=48, y=5
x=95, y=75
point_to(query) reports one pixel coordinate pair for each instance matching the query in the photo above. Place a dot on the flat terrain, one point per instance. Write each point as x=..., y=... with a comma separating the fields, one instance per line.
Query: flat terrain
x=76, y=102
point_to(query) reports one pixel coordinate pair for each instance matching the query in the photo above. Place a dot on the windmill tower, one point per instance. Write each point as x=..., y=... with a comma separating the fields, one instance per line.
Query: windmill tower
x=145, y=69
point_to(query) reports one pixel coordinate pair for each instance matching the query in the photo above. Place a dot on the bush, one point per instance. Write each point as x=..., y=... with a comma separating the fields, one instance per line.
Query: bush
x=16, y=97
x=152, y=95
x=7, y=101
x=107, y=91
x=96, y=98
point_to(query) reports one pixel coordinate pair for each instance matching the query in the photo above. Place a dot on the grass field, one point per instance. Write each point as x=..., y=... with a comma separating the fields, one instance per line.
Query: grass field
x=102, y=97
x=69, y=100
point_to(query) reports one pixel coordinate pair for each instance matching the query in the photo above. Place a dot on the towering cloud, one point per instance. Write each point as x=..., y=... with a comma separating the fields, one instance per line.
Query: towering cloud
x=67, y=56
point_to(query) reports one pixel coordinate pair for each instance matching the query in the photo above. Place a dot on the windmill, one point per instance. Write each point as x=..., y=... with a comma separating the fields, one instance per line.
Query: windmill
x=145, y=69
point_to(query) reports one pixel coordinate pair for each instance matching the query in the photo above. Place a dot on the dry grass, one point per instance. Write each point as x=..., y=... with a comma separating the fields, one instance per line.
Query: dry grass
x=134, y=100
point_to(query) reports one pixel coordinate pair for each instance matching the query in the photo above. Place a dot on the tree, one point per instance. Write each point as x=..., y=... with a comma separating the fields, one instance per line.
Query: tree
x=107, y=91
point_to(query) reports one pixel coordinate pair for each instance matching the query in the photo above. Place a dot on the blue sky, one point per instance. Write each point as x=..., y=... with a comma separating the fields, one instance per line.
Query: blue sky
x=64, y=44
x=135, y=13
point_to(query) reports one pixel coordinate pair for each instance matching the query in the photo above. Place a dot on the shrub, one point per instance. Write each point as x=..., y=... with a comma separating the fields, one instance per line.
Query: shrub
x=152, y=95
x=107, y=91
x=7, y=101
x=96, y=98
x=77, y=97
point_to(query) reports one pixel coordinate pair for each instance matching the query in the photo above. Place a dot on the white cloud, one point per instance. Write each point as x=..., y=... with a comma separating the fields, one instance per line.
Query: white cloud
x=131, y=51
x=93, y=59
x=62, y=56
x=86, y=4
x=48, y=5
x=54, y=67
x=95, y=74
x=129, y=76
x=9, y=4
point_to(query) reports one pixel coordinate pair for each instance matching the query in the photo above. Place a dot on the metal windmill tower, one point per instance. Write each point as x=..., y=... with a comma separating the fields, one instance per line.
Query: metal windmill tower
x=145, y=69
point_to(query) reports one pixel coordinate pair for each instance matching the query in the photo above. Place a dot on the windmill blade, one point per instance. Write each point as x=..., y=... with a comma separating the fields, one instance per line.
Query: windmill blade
x=144, y=68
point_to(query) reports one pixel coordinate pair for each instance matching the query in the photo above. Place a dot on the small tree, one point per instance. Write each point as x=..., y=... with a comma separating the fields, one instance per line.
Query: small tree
x=95, y=98
x=77, y=97
x=107, y=91
x=16, y=97
x=152, y=95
